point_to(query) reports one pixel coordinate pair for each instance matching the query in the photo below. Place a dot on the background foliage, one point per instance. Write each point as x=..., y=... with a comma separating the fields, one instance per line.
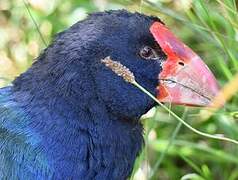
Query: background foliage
x=210, y=27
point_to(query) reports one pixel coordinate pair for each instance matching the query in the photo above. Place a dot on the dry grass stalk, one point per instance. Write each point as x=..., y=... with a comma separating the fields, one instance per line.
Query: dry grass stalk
x=226, y=93
x=119, y=69
x=223, y=96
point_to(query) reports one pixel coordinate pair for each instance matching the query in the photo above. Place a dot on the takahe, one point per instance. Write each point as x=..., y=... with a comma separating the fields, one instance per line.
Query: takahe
x=71, y=117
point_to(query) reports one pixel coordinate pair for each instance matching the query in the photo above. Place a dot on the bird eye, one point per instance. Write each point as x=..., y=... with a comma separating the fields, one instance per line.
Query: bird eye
x=148, y=53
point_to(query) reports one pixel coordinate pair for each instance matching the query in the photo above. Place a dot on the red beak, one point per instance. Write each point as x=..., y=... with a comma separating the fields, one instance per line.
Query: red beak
x=185, y=78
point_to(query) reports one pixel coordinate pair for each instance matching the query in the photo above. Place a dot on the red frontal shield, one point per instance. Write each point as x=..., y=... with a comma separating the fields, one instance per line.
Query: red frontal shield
x=185, y=78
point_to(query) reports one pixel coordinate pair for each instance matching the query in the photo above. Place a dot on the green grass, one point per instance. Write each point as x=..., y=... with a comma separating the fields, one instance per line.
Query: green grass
x=209, y=27
x=212, y=32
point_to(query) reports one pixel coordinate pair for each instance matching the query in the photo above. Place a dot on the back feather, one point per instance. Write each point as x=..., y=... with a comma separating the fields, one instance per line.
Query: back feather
x=20, y=157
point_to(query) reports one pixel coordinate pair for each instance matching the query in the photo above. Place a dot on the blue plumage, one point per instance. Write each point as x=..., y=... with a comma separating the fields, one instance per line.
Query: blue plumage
x=70, y=117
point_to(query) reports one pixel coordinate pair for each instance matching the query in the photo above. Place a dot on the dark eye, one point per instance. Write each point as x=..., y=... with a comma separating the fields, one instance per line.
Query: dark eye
x=148, y=53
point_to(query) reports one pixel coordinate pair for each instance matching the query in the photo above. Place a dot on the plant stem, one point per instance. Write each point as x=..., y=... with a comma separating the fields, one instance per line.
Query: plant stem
x=157, y=164
x=218, y=137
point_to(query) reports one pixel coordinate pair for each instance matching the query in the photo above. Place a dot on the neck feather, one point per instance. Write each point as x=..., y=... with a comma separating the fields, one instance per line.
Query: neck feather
x=84, y=140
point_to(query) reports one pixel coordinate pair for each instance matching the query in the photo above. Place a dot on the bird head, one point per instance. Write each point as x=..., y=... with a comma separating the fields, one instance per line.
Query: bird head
x=160, y=62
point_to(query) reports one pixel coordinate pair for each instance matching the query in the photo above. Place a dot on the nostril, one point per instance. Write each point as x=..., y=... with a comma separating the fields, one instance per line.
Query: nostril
x=181, y=63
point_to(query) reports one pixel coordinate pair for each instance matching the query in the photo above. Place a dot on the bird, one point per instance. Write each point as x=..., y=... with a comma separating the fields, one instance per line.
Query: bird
x=70, y=117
